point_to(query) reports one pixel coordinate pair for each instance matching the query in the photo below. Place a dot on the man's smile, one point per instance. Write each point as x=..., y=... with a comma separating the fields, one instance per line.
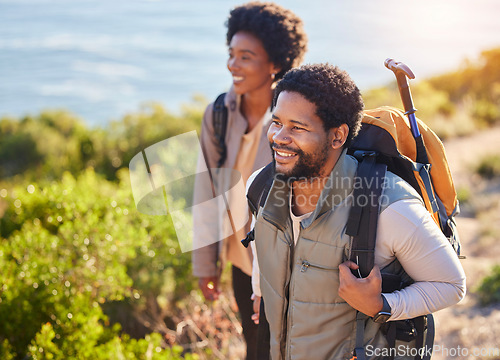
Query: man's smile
x=283, y=154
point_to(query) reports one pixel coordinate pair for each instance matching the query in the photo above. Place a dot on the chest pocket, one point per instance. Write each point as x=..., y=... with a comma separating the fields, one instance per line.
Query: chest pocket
x=316, y=273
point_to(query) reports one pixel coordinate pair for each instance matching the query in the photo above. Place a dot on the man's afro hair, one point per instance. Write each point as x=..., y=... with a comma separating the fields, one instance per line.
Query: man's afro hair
x=337, y=98
x=280, y=31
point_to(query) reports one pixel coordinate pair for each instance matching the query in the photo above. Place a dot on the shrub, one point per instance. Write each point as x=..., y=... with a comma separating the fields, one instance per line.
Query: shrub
x=463, y=194
x=47, y=145
x=68, y=247
x=489, y=167
x=42, y=146
x=489, y=289
x=114, y=146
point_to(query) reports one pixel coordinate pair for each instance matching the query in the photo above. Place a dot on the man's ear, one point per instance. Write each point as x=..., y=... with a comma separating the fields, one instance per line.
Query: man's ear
x=338, y=136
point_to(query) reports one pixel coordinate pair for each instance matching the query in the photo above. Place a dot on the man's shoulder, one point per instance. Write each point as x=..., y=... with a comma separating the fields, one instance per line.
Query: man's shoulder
x=258, y=186
x=252, y=178
x=396, y=189
x=254, y=175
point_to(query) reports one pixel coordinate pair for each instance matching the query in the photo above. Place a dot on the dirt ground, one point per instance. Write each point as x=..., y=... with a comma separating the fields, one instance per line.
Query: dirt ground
x=466, y=330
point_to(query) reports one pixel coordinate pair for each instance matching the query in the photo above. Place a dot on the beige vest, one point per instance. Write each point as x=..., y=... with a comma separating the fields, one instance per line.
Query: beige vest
x=299, y=283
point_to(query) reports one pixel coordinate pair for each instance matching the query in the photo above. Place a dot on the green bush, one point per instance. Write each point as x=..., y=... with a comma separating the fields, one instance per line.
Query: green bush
x=53, y=143
x=68, y=248
x=149, y=348
x=489, y=289
x=47, y=145
x=489, y=167
x=478, y=82
x=114, y=146
x=463, y=194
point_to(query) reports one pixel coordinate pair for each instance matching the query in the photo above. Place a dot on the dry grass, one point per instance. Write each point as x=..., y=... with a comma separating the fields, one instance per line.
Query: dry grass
x=468, y=325
x=212, y=331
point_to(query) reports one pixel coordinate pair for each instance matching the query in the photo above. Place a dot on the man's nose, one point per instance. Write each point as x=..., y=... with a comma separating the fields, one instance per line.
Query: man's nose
x=281, y=136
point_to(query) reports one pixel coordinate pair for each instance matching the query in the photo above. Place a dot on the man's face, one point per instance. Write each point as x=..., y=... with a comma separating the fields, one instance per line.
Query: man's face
x=301, y=146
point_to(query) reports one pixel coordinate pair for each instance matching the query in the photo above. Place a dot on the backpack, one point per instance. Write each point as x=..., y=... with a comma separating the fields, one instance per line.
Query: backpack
x=385, y=143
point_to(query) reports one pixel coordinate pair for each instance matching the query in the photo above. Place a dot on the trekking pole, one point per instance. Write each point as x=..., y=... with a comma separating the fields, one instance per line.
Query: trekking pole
x=403, y=73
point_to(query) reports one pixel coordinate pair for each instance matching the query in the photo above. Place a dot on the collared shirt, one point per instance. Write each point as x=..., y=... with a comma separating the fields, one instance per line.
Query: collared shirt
x=296, y=221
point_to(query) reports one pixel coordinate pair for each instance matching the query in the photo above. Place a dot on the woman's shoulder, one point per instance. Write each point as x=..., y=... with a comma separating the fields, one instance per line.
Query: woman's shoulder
x=229, y=99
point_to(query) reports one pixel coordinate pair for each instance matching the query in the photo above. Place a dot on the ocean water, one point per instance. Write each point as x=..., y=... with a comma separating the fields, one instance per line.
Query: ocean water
x=102, y=59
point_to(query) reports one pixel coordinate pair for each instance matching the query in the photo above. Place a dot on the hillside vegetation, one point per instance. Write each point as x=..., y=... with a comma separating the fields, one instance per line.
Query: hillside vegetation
x=455, y=103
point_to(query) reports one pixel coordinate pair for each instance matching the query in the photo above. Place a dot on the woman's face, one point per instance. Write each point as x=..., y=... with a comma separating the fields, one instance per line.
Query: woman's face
x=249, y=64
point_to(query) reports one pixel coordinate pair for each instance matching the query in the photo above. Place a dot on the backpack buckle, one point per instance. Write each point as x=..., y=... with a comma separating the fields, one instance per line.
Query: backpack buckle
x=363, y=154
x=250, y=237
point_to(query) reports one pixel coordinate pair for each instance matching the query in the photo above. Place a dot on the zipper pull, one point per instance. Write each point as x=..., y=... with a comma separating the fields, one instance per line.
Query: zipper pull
x=304, y=267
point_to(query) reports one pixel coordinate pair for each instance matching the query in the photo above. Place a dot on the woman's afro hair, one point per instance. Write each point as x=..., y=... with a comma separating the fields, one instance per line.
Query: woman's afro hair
x=280, y=31
x=337, y=98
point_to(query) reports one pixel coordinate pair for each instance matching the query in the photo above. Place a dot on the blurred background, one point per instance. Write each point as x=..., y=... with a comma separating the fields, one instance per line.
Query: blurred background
x=101, y=59
x=86, y=85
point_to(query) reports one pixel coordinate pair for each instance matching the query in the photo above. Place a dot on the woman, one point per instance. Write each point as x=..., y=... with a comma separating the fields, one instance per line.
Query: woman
x=264, y=41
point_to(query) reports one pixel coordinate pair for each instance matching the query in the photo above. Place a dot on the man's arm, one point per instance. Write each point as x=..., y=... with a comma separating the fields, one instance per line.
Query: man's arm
x=407, y=232
x=427, y=257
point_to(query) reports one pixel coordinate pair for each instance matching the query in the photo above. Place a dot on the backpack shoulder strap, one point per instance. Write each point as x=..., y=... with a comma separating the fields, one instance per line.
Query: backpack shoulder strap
x=219, y=119
x=363, y=217
x=362, y=226
x=259, y=189
x=257, y=195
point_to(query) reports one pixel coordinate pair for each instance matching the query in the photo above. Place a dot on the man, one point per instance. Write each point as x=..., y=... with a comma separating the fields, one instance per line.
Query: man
x=311, y=297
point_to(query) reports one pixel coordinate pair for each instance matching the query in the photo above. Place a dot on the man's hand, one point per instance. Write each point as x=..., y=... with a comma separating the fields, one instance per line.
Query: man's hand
x=209, y=287
x=256, y=308
x=365, y=295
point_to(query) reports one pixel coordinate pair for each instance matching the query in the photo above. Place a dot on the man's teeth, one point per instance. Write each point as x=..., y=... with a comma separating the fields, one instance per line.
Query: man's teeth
x=284, y=154
x=237, y=78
